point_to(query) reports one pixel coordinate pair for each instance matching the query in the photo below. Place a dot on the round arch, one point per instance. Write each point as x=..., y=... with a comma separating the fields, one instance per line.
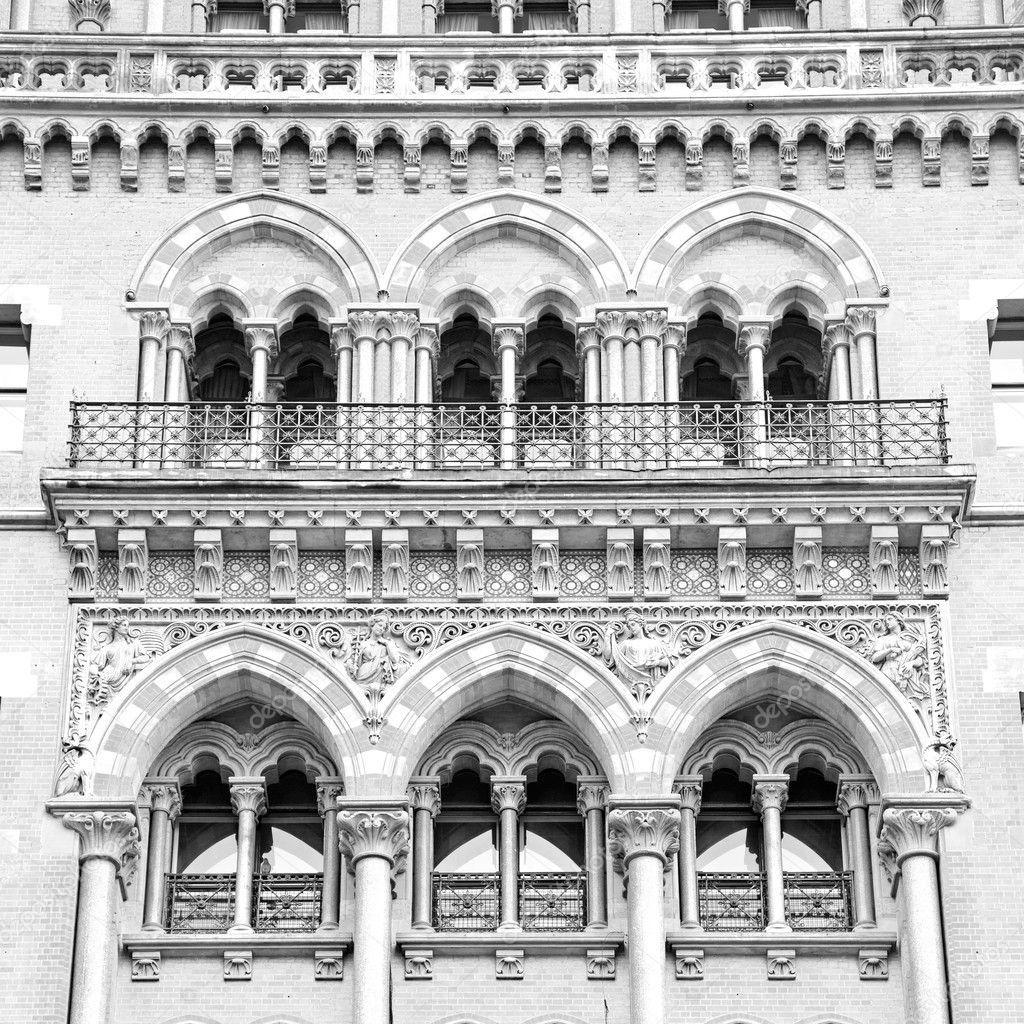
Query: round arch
x=236, y=218
x=486, y=216
x=520, y=662
x=765, y=211
x=819, y=674
x=209, y=673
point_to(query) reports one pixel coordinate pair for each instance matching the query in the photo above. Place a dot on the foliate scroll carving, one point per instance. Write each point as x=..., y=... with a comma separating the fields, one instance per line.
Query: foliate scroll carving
x=694, y=180
x=781, y=964
x=238, y=965
x=601, y=964
x=327, y=796
x=146, y=965
x=544, y=563
x=835, y=155
x=856, y=792
x=284, y=565
x=883, y=555
x=32, y=152
x=689, y=964
x=328, y=965
x=657, y=554
x=931, y=162
x=732, y=561
x=394, y=565
x=108, y=835
x=770, y=793
x=807, y=553
x=934, y=557
x=249, y=795
x=358, y=565
x=469, y=564
x=873, y=964
x=642, y=831
x=508, y=794
x=883, y=160
x=419, y=964
x=922, y=13
x=689, y=789
x=163, y=796
x=509, y=964
x=209, y=565
x=425, y=796
x=910, y=829
x=620, y=561
x=89, y=15
x=83, y=559
x=591, y=796
x=374, y=833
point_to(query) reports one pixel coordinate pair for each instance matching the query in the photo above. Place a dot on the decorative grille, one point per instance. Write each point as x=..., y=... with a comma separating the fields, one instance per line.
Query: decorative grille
x=432, y=575
x=246, y=577
x=206, y=903
x=553, y=902
x=287, y=903
x=818, y=901
x=465, y=903
x=695, y=573
x=584, y=574
x=106, y=577
x=731, y=901
x=508, y=574
x=170, y=575
x=321, y=576
x=770, y=572
x=846, y=572
x=909, y=568
x=199, y=903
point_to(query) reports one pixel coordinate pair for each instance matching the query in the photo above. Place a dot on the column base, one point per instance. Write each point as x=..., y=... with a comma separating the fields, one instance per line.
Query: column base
x=597, y=926
x=777, y=928
x=509, y=926
x=240, y=929
x=330, y=926
x=154, y=929
x=690, y=926
x=867, y=926
x=422, y=926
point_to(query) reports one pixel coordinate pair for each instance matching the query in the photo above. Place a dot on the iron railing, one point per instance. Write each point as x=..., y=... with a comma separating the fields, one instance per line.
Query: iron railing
x=819, y=901
x=732, y=901
x=531, y=437
x=206, y=903
x=549, y=901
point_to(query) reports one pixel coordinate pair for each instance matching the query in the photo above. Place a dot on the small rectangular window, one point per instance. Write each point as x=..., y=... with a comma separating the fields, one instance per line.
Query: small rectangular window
x=13, y=386
x=1006, y=362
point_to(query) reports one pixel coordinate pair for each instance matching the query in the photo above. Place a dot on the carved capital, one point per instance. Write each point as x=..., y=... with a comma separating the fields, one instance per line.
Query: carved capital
x=508, y=793
x=261, y=337
x=770, y=793
x=754, y=336
x=179, y=338
x=403, y=324
x=909, y=826
x=922, y=13
x=855, y=791
x=860, y=320
x=837, y=335
x=689, y=789
x=369, y=832
x=651, y=323
x=591, y=793
x=248, y=795
x=328, y=791
x=508, y=336
x=106, y=835
x=425, y=794
x=153, y=323
x=341, y=339
x=587, y=337
x=651, y=831
x=426, y=338
x=675, y=337
x=162, y=795
x=614, y=323
x=363, y=324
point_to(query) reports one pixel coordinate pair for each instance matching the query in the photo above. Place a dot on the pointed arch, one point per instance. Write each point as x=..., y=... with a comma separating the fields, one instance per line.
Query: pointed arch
x=214, y=671
x=585, y=247
x=761, y=211
x=518, y=661
x=804, y=668
x=262, y=213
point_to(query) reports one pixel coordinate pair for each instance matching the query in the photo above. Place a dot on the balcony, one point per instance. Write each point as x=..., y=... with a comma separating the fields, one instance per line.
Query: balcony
x=548, y=902
x=205, y=904
x=814, y=901
x=404, y=438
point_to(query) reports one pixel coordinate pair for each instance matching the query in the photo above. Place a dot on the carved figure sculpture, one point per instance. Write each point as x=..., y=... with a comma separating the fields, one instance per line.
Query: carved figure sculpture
x=944, y=775
x=116, y=662
x=901, y=656
x=376, y=660
x=641, y=660
x=77, y=766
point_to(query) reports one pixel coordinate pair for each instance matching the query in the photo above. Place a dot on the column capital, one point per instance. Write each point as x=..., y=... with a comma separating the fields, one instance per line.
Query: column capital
x=516, y=5
x=106, y=833
x=261, y=335
x=855, y=791
x=153, y=321
x=643, y=827
x=651, y=323
x=508, y=335
x=426, y=337
x=341, y=337
x=753, y=334
x=424, y=794
x=909, y=825
x=724, y=5
x=591, y=793
x=248, y=794
x=396, y=322
x=587, y=337
x=364, y=323
x=614, y=323
x=837, y=335
x=860, y=319
x=689, y=788
x=770, y=791
x=377, y=828
x=675, y=337
x=161, y=793
x=179, y=337
x=328, y=789
x=508, y=792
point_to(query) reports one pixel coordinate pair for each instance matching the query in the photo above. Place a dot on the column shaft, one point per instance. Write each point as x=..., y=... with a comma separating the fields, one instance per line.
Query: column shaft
x=633, y=389
x=259, y=375
x=646, y=924
x=330, y=901
x=156, y=868
x=755, y=372
x=198, y=17
x=597, y=899
x=276, y=19
x=149, y=351
x=95, y=942
x=616, y=370
x=372, y=941
x=344, y=376
x=921, y=943
x=364, y=370
x=508, y=867
x=735, y=15
x=689, y=902
x=771, y=819
x=244, y=870
x=422, y=867
x=400, y=370
x=859, y=840
x=868, y=367
x=506, y=18
x=382, y=372
x=841, y=368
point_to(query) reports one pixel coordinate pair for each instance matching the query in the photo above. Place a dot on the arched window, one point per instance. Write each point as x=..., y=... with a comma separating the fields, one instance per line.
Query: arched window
x=790, y=381
x=207, y=827
x=706, y=382
x=811, y=825
x=464, y=832
x=225, y=384
x=291, y=835
x=466, y=384
x=552, y=830
x=309, y=384
x=219, y=361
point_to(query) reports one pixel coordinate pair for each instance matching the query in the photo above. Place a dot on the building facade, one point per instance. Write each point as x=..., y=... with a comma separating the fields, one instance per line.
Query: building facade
x=512, y=511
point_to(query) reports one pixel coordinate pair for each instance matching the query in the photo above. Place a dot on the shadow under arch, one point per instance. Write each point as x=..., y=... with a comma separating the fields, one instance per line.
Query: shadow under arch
x=770, y=212
x=211, y=672
x=519, y=661
x=241, y=216
x=824, y=677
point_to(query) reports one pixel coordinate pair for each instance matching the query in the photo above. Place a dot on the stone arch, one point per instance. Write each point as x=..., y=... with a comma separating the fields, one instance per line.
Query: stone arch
x=592, y=254
x=260, y=214
x=214, y=671
x=765, y=213
x=518, y=661
x=819, y=674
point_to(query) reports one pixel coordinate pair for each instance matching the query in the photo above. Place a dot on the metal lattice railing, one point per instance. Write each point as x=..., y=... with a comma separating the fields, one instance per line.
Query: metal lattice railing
x=531, y=437
x=732, y=901
x=553, y=901
x=466, y=902
x=206, y=903
x=819, y=901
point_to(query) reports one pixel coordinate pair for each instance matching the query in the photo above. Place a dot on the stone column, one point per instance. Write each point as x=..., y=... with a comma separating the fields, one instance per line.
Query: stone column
x=812, y=12
x=262, y=345
x=907, y=843
x=164, y=799
x=588, y=356
x=612, y=329
x=582, y=10
x=659, y=15
x=198, y=16
x=425, y=801
x=404, y=328
x=153, y=327
x=689, y=788
x=837, y=344
x=328, y=790
x=734, y=10
x=855, y=793
x=426, y=350
x=374, y=836
x=509, y=345
x=276, y=9
x=652, y=324
x=181, y=350
x=753, y=341
x=860, y=322
x=643, y=834
x=673, y=348
x=506, y=11
x=363, y=325
x=508, y=798
x=108, y=855
x=430, y=15
x=342, y=349
x=249, y=802
x=770, y=793
x=591, y=797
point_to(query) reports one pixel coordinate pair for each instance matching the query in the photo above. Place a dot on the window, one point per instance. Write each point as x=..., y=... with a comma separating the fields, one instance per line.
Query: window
x=208, y=827
x=290, y=837
x=811, y=825
x=696, y=14
x=13, y=385
x=465, y=830
x=545, y=17
x=463, y=16
x=774, y=15
x=1006, y=359
x=728, y=830
x=551, y=826
x=316, y=17
x=232, y=16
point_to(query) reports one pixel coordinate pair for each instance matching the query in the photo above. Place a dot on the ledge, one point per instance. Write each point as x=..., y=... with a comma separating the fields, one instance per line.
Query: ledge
x=811, y=943
x=529, y=942
x=269, y=945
